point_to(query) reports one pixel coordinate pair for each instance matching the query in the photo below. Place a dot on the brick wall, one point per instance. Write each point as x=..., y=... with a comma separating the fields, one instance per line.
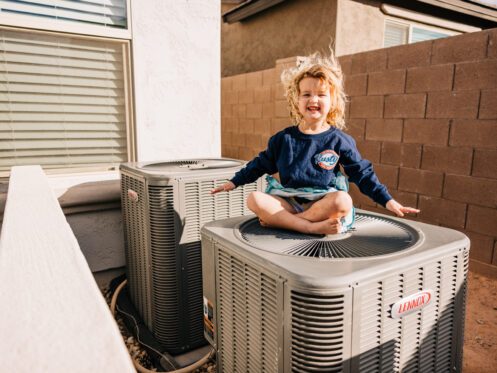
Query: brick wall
x=425, y=114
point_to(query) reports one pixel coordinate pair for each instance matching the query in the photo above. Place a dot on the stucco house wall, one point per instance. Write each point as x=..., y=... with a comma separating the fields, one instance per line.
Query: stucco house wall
x=300, y=27
x=176, y=57
x=292, y=28
x=360, y=26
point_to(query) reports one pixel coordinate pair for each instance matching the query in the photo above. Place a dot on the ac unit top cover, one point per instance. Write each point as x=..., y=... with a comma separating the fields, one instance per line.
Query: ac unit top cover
x=377, y=245
x=183, y=168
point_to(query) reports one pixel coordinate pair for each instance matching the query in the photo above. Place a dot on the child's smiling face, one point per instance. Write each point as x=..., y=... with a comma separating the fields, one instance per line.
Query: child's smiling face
x=314, y=100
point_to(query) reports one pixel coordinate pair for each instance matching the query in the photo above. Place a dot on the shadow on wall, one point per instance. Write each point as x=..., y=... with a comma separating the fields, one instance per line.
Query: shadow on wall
x=93, y=210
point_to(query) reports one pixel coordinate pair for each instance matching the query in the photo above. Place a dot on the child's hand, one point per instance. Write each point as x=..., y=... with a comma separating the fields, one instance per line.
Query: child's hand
x=400, y=210
x=224, y=188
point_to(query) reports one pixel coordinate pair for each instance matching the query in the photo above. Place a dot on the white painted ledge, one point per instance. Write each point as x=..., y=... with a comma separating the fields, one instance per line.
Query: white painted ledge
x=80, y=192
x=53, y=317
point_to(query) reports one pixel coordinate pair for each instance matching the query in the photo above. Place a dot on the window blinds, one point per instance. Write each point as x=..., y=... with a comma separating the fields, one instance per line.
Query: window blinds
x=62, y=101
x=110, y=13
x=395, y=34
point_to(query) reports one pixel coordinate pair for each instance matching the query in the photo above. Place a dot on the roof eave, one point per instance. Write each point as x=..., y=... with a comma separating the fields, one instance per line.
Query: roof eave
x=247, y=9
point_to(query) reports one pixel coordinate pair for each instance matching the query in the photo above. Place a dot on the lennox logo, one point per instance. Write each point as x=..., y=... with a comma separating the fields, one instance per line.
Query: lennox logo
x=133, y=195
x=412, y=303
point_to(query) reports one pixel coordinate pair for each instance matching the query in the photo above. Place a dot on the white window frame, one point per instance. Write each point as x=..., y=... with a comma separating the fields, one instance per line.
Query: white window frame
x=40, y=23
x=401, y=14
x=411, y=25
x=128, y=91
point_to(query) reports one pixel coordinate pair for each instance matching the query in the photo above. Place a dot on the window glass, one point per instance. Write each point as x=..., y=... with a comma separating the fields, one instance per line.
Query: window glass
x=420, y=34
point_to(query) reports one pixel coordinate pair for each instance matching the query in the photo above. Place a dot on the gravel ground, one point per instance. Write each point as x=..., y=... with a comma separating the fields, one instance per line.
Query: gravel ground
x=480, y=334
x=138, y=353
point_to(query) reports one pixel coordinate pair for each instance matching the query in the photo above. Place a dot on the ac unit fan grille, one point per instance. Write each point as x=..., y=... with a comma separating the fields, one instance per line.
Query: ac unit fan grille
x=317, y=332
x=372, y=235
x=191, y=165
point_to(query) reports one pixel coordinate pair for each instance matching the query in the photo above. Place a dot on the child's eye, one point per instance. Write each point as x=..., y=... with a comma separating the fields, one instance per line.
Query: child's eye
x=306, y=95
x=322, y=95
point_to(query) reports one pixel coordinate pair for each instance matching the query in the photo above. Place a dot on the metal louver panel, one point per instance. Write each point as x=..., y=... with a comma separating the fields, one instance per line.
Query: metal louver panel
x=135, y=214
x=421, y=342
x=318, y=332
x=249, y=322
x=164, y=254
x=445, y=347
x=463, y=296
x=202, y=207
x=193, y=293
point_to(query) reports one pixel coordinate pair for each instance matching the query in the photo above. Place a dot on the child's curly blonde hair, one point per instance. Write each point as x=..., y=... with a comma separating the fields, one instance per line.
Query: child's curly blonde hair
x=328, y=70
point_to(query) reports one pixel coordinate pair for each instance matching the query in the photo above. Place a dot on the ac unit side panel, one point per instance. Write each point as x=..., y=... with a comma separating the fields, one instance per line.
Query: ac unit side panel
x=318, y=329
x=197, y=206
x=427, y=340
x=461, y=300
x=166, y=265
x=209, y=291
x=191, y=294
x=249, y=324
x=164, y=262
x=134, y=199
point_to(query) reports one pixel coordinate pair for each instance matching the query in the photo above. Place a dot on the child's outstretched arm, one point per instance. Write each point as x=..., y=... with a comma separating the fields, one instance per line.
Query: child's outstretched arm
x=264, y=163
x=226, y=187
x=400, y=210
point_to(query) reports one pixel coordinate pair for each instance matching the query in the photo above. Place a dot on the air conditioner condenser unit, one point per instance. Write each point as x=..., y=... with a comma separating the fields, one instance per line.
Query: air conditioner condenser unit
x=387, y=297
x=164, y=205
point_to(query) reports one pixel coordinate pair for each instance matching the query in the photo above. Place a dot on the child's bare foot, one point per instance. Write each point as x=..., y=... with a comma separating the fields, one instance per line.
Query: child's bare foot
x=328, y=226
x=263, y=223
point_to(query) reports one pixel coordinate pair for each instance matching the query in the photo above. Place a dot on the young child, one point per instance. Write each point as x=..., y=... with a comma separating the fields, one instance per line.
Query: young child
x=311, y=197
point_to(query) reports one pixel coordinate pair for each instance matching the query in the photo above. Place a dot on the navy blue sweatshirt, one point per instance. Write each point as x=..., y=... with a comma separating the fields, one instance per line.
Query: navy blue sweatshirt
x=312, y=161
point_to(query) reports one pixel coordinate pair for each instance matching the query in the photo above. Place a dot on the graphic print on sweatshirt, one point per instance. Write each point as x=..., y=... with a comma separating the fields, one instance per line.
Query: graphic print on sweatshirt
x=327, y=159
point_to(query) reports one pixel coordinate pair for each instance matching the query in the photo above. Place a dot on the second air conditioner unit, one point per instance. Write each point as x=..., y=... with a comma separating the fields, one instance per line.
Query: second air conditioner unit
x=164, y=205
x=387, y=297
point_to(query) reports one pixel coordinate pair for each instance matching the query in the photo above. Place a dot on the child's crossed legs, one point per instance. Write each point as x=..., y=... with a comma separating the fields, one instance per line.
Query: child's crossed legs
x=323, y=217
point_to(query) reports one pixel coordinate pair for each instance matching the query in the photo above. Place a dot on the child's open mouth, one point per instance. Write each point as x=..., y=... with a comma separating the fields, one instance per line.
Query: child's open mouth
x=313, y=108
